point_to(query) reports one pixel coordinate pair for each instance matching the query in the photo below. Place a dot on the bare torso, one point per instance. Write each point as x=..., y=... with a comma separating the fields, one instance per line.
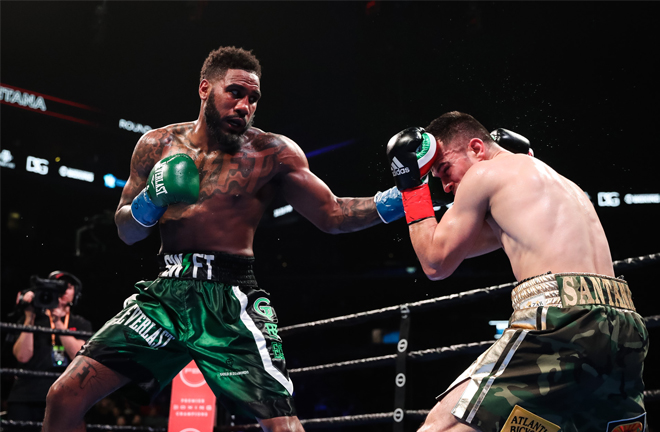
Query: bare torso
x=544, y=221
x=234, y=190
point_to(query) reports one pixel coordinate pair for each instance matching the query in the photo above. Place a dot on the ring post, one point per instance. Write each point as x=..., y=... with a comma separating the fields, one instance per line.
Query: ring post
x=400, y=379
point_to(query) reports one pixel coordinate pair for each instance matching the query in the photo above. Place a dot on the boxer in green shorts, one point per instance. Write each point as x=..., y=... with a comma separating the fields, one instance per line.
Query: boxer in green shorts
x=573, y=356
x=157, y=334
x=207, y=183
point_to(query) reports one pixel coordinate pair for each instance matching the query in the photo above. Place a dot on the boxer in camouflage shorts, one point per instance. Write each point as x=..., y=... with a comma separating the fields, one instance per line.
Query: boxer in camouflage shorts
x=573, y=354
x=572, y=358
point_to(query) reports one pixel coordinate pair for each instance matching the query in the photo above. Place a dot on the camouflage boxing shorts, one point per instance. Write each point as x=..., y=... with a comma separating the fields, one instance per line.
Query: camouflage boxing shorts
x=203, y=307
x=571, y=359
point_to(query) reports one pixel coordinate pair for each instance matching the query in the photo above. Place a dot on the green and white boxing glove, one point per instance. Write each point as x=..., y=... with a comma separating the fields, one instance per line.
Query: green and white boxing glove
x=173, y=179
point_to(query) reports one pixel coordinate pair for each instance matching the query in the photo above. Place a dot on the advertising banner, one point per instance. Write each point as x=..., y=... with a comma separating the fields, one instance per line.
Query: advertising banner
x=192, y=408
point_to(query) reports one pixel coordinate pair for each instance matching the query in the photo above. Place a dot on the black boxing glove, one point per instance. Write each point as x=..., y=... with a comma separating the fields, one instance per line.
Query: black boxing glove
x=512, y=141
x=412, y=153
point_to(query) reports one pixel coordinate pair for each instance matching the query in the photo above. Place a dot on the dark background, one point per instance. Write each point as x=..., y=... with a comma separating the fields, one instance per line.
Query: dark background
x=577, y=79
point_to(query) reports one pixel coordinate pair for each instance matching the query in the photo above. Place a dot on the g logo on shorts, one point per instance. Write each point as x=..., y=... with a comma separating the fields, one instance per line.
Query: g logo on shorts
x=264, y=309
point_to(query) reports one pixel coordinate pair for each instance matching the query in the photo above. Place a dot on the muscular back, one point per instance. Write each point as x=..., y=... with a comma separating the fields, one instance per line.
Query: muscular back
x=544, y=221
x=234, y=189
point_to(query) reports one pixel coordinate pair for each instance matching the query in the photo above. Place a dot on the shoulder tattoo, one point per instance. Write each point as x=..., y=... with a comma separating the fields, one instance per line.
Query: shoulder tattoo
x=150, y=149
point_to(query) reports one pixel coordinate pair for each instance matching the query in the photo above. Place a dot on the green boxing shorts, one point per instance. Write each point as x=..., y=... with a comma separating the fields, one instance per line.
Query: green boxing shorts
x=204, y=307
x=571, y=359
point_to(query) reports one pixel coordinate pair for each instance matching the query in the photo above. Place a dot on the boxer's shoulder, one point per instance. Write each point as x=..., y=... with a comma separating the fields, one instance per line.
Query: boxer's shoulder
x=503, y=167
x=506, y=159
x=166, y=136
x=158, y=143
x=260, y=140
x=485, y=178
x=268, y=143
x=490, y=169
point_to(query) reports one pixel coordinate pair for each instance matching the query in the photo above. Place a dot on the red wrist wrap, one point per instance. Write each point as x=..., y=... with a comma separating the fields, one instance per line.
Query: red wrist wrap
x=417, y=203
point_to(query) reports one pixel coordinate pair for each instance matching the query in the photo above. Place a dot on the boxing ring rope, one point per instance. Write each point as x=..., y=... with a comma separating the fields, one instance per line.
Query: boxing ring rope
x=438, y=302
x=391, y=311
x=35, y=329
x=18, y=425
x=386, y=360
x=402, y=310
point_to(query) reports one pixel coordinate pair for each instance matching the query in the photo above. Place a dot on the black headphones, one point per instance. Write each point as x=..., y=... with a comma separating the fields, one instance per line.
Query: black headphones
x=68, y=277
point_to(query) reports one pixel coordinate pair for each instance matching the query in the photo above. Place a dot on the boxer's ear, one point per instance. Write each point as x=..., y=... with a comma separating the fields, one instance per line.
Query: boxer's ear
x=477, y=148
x=204, y=89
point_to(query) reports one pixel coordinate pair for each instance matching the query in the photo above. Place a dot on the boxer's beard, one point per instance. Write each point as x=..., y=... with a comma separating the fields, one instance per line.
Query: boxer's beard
x=228, y=142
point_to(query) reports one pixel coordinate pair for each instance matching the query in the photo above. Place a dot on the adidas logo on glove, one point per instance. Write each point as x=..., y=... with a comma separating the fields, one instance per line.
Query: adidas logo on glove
x=398, y=168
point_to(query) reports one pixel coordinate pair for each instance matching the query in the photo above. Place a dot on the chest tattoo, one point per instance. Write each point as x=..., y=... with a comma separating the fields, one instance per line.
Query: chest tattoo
x=242, y=173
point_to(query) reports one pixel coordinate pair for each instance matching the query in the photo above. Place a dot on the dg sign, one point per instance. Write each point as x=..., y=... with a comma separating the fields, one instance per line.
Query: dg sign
x=608, y=199
x=36, y=165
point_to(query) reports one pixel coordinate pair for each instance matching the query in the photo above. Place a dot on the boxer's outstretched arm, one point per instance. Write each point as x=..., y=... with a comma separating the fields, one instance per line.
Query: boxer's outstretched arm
x=147, y=152
x=313, y=199
x=461, y=233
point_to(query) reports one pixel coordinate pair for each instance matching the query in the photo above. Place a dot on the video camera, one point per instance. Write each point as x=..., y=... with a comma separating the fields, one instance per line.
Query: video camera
x=46, y=293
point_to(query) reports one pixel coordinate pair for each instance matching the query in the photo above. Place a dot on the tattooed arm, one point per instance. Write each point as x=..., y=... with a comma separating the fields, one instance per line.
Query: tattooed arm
x=313, y=199
x=147, y=152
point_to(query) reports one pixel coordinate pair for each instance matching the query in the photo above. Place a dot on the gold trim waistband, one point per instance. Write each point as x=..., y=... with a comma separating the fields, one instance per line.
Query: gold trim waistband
x=572, y=289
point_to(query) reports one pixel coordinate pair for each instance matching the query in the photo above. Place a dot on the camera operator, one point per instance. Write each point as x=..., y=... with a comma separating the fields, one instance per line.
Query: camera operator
x=47, y=303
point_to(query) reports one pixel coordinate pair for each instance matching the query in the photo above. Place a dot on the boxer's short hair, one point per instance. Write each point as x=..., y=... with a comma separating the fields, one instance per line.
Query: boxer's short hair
x=455, y=124
x=220, y=60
